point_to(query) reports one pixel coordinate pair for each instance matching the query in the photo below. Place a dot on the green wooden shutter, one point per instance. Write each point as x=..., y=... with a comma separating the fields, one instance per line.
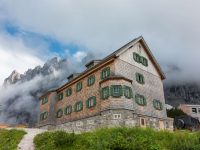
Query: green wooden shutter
x=95, y=102
x=111, y=90
x=87, y=103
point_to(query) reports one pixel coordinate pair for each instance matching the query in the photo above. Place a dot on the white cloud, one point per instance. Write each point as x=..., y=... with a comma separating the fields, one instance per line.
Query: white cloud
x=15, y=55
x=171, y=28
x=78, y=56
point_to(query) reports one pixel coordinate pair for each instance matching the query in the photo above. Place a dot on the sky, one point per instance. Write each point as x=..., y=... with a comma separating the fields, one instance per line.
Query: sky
x=33, y=31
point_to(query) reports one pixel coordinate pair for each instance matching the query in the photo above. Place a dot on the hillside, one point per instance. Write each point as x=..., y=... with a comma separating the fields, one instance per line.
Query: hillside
x=118, y=139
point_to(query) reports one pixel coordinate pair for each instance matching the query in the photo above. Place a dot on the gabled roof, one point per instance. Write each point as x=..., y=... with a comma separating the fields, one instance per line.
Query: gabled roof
x=148, y=51
x=116, y=54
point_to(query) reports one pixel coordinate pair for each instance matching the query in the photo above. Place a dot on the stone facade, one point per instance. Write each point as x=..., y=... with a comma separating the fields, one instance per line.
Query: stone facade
x=121, y=107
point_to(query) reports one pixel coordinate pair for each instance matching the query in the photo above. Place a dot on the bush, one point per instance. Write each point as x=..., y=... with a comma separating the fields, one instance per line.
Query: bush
x=119, y=139
x=9, y=139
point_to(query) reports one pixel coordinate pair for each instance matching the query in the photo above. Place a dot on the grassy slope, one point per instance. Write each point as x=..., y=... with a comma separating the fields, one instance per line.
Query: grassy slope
x=119, y=139
x=9, y=139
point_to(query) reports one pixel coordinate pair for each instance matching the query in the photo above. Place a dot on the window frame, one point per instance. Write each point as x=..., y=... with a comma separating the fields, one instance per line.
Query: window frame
x=91, y=80
x=79, y=86
x=140, y=99
x=105, y=73
x=68, y=92
x=136, y=57
x=60, y=96
x=44, y=100
x=59, y=111
x=68, y=107
x=120, y=92
x=44, y=116
x=130, y=95
x=157, y=104
x=140, y=78
x=194, y=112
x=107, y=90
x=88, y=102
x=76, y=104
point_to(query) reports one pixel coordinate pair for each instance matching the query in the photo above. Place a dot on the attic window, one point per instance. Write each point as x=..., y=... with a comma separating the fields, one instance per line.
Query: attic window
x=139, y=78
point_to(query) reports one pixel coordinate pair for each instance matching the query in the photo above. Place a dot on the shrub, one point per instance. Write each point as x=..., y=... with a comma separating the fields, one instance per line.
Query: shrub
x=9, y=139
x=119, y=139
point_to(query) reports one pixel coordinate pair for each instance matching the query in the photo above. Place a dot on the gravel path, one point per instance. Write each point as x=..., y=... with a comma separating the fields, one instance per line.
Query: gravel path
x=27, y=141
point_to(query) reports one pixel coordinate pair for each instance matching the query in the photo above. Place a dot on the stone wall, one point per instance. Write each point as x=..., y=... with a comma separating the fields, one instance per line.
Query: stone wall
x=115, y=118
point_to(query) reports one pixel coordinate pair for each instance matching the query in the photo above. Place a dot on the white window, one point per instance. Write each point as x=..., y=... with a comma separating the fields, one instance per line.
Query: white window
x=116, y=116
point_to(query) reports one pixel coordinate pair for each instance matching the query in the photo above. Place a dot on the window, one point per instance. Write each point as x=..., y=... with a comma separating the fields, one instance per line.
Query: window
x=68, y=110
x=143, y=61
x=78, y=106
x=140, y=59
x=127, y=92
x=157, y=104
x=140, y=100
x=117, y=116
x=78, y=86
x=199, y=110
x=59, y=113
x=44, y=100
x=105, y=93
x=60, y=96
x=105, y=73
x=139, y=78
x=194, y=110
x=116, y=90
x=91, y=102
x=136, y=57
x=91, y=80
x=142, y=122
x=43, y=116
x=69, y=92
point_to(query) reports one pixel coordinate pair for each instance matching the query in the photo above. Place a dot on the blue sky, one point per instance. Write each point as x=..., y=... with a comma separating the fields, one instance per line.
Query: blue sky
x=33, y=31
x=32, y=39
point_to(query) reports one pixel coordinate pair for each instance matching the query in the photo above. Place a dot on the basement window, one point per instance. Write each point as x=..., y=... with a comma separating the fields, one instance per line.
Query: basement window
x=142, y=122
x=91, y=102
x=117, y=116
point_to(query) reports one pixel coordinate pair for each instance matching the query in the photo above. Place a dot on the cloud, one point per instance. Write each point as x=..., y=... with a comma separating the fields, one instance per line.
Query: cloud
x=171, y=28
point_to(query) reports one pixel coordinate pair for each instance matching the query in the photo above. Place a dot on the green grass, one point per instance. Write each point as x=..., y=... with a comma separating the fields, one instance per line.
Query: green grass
x=9, y=139
x=119, y=139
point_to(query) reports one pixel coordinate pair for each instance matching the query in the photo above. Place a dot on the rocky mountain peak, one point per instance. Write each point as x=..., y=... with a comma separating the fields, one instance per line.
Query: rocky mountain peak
x=13, y=78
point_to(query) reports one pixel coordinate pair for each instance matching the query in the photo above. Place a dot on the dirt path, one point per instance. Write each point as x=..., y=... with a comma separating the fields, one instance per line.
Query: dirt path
x=27, y=141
